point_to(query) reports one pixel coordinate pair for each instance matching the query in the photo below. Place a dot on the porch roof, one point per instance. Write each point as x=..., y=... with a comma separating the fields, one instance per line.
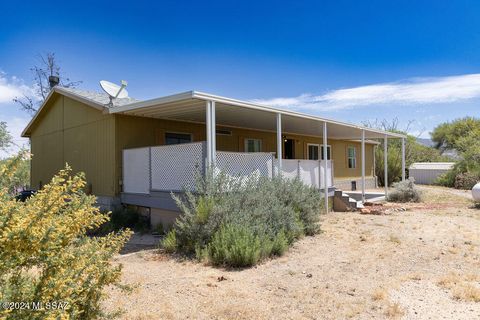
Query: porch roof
x=190, y=106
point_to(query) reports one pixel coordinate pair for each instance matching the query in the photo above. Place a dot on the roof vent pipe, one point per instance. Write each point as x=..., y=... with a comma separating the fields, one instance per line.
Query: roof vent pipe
x=53, y=80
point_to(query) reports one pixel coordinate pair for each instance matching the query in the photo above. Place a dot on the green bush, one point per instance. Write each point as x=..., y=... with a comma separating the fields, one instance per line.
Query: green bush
x=276, y=211
x=169, y=243
x=279, y=244
x=235, y=246
x=447, y=179
x=404, y=191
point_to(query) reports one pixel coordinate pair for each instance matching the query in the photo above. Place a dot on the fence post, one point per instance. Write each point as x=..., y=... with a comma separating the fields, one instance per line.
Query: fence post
x=150, y=168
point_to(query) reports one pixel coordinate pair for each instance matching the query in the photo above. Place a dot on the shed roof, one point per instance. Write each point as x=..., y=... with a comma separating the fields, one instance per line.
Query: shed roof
x=432, y=165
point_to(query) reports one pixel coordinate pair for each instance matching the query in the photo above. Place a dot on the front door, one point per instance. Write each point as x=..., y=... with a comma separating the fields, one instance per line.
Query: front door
x=289, y=149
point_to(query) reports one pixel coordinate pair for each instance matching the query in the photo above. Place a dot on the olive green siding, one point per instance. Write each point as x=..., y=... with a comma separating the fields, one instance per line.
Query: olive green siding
x=91, y=141
x=74, y=133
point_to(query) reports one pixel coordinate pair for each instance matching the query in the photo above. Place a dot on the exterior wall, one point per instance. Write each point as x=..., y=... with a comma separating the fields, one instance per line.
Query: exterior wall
x=74, y=133
x=133, y=132
x=426, y=176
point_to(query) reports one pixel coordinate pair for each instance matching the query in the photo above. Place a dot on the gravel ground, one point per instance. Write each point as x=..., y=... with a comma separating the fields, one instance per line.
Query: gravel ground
x=360, y=266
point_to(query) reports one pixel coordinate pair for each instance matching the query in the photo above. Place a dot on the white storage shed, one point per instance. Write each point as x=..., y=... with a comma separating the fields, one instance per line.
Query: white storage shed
x=428, y=172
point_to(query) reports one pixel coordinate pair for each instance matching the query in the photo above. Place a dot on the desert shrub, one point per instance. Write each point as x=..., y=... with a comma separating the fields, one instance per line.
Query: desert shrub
x=169, y=243
x=234, y=245
x=276, y=211
x=404, y=191
x=279, y=244
x=447, y=179
x=45, y=254
x=466, y=180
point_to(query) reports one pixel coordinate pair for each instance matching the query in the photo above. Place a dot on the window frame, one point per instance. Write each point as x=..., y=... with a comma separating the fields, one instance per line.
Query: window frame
x=308, y=150
x=176, y=132
x=354, y=158
x=245, y=144
x=320, y=153
x=329, y=152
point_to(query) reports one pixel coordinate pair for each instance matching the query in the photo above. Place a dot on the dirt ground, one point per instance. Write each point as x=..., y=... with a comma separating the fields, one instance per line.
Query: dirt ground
x=422, y=263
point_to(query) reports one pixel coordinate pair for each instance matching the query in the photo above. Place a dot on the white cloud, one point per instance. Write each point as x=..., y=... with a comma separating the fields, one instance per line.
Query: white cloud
x=12, y=87
x=415, y=91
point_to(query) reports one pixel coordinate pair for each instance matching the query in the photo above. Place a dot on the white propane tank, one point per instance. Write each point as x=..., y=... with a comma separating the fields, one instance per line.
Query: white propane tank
x=476, y=192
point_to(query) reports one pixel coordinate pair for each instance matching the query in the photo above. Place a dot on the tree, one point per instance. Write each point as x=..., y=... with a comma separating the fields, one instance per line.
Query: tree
x=456, y=135
x=5, y=137
x=21, y=176
x=45, y=254
x=48, y=66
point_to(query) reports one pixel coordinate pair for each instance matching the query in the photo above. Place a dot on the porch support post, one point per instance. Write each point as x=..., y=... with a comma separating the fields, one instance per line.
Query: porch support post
x=325, y=176
x=403, y=159
x=279, y=143
x=385, y=164
x=214, y=133
x=211, y=135
x=363, y=165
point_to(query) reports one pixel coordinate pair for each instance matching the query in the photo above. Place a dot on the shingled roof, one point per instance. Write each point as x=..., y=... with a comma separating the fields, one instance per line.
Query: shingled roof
x=98, y=97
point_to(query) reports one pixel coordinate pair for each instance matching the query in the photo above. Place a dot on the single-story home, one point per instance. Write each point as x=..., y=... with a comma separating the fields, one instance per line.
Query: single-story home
x=138, y=152
x=428, y=172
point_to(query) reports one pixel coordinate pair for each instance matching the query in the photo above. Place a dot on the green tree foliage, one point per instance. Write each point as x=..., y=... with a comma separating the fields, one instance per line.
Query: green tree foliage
x=461, y=135
x=45, y=255
x=456, y=135
x=5, y=137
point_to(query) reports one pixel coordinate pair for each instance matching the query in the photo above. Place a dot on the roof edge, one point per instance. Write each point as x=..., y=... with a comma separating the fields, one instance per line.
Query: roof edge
x=59, y=90
x=208, y=96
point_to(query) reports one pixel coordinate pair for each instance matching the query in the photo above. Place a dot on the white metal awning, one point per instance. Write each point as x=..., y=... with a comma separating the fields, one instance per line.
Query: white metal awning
x=191, y=107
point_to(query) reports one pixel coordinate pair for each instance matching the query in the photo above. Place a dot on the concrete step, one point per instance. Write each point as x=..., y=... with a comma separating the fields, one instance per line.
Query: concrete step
x=343, y=202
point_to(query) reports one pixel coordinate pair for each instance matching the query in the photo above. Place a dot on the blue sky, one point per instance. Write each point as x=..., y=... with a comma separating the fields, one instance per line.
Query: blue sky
x=348, y=60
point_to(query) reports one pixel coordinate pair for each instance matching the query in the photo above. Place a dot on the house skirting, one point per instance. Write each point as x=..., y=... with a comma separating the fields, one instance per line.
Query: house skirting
x=108, y=203
x=345, y=184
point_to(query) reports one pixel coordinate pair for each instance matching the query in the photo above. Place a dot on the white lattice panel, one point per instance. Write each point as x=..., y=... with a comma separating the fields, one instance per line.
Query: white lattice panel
x=175, y=167
x=244, y=164
x=136, y=171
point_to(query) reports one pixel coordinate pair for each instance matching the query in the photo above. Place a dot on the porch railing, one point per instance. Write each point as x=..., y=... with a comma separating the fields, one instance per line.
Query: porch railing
x=175, y=167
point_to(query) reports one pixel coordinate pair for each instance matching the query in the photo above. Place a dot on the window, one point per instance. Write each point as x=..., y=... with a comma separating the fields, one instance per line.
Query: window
x=253, y=145
x=329, y=153
x=177, y=138
x=352, y=157
x=315, y=154
x=312, y=151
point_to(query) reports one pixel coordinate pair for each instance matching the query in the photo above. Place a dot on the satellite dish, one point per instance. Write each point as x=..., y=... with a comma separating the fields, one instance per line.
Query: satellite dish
x=114, y=90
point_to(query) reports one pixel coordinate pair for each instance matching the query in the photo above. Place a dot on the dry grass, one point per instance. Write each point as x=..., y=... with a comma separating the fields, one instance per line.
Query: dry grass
x=379, y=294
x=394, y=311
x=466, y=292
x=464, y=287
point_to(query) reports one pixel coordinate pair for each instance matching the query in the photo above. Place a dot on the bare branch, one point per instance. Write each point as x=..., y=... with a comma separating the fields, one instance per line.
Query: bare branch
x=47, y=66
x=26, y=103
